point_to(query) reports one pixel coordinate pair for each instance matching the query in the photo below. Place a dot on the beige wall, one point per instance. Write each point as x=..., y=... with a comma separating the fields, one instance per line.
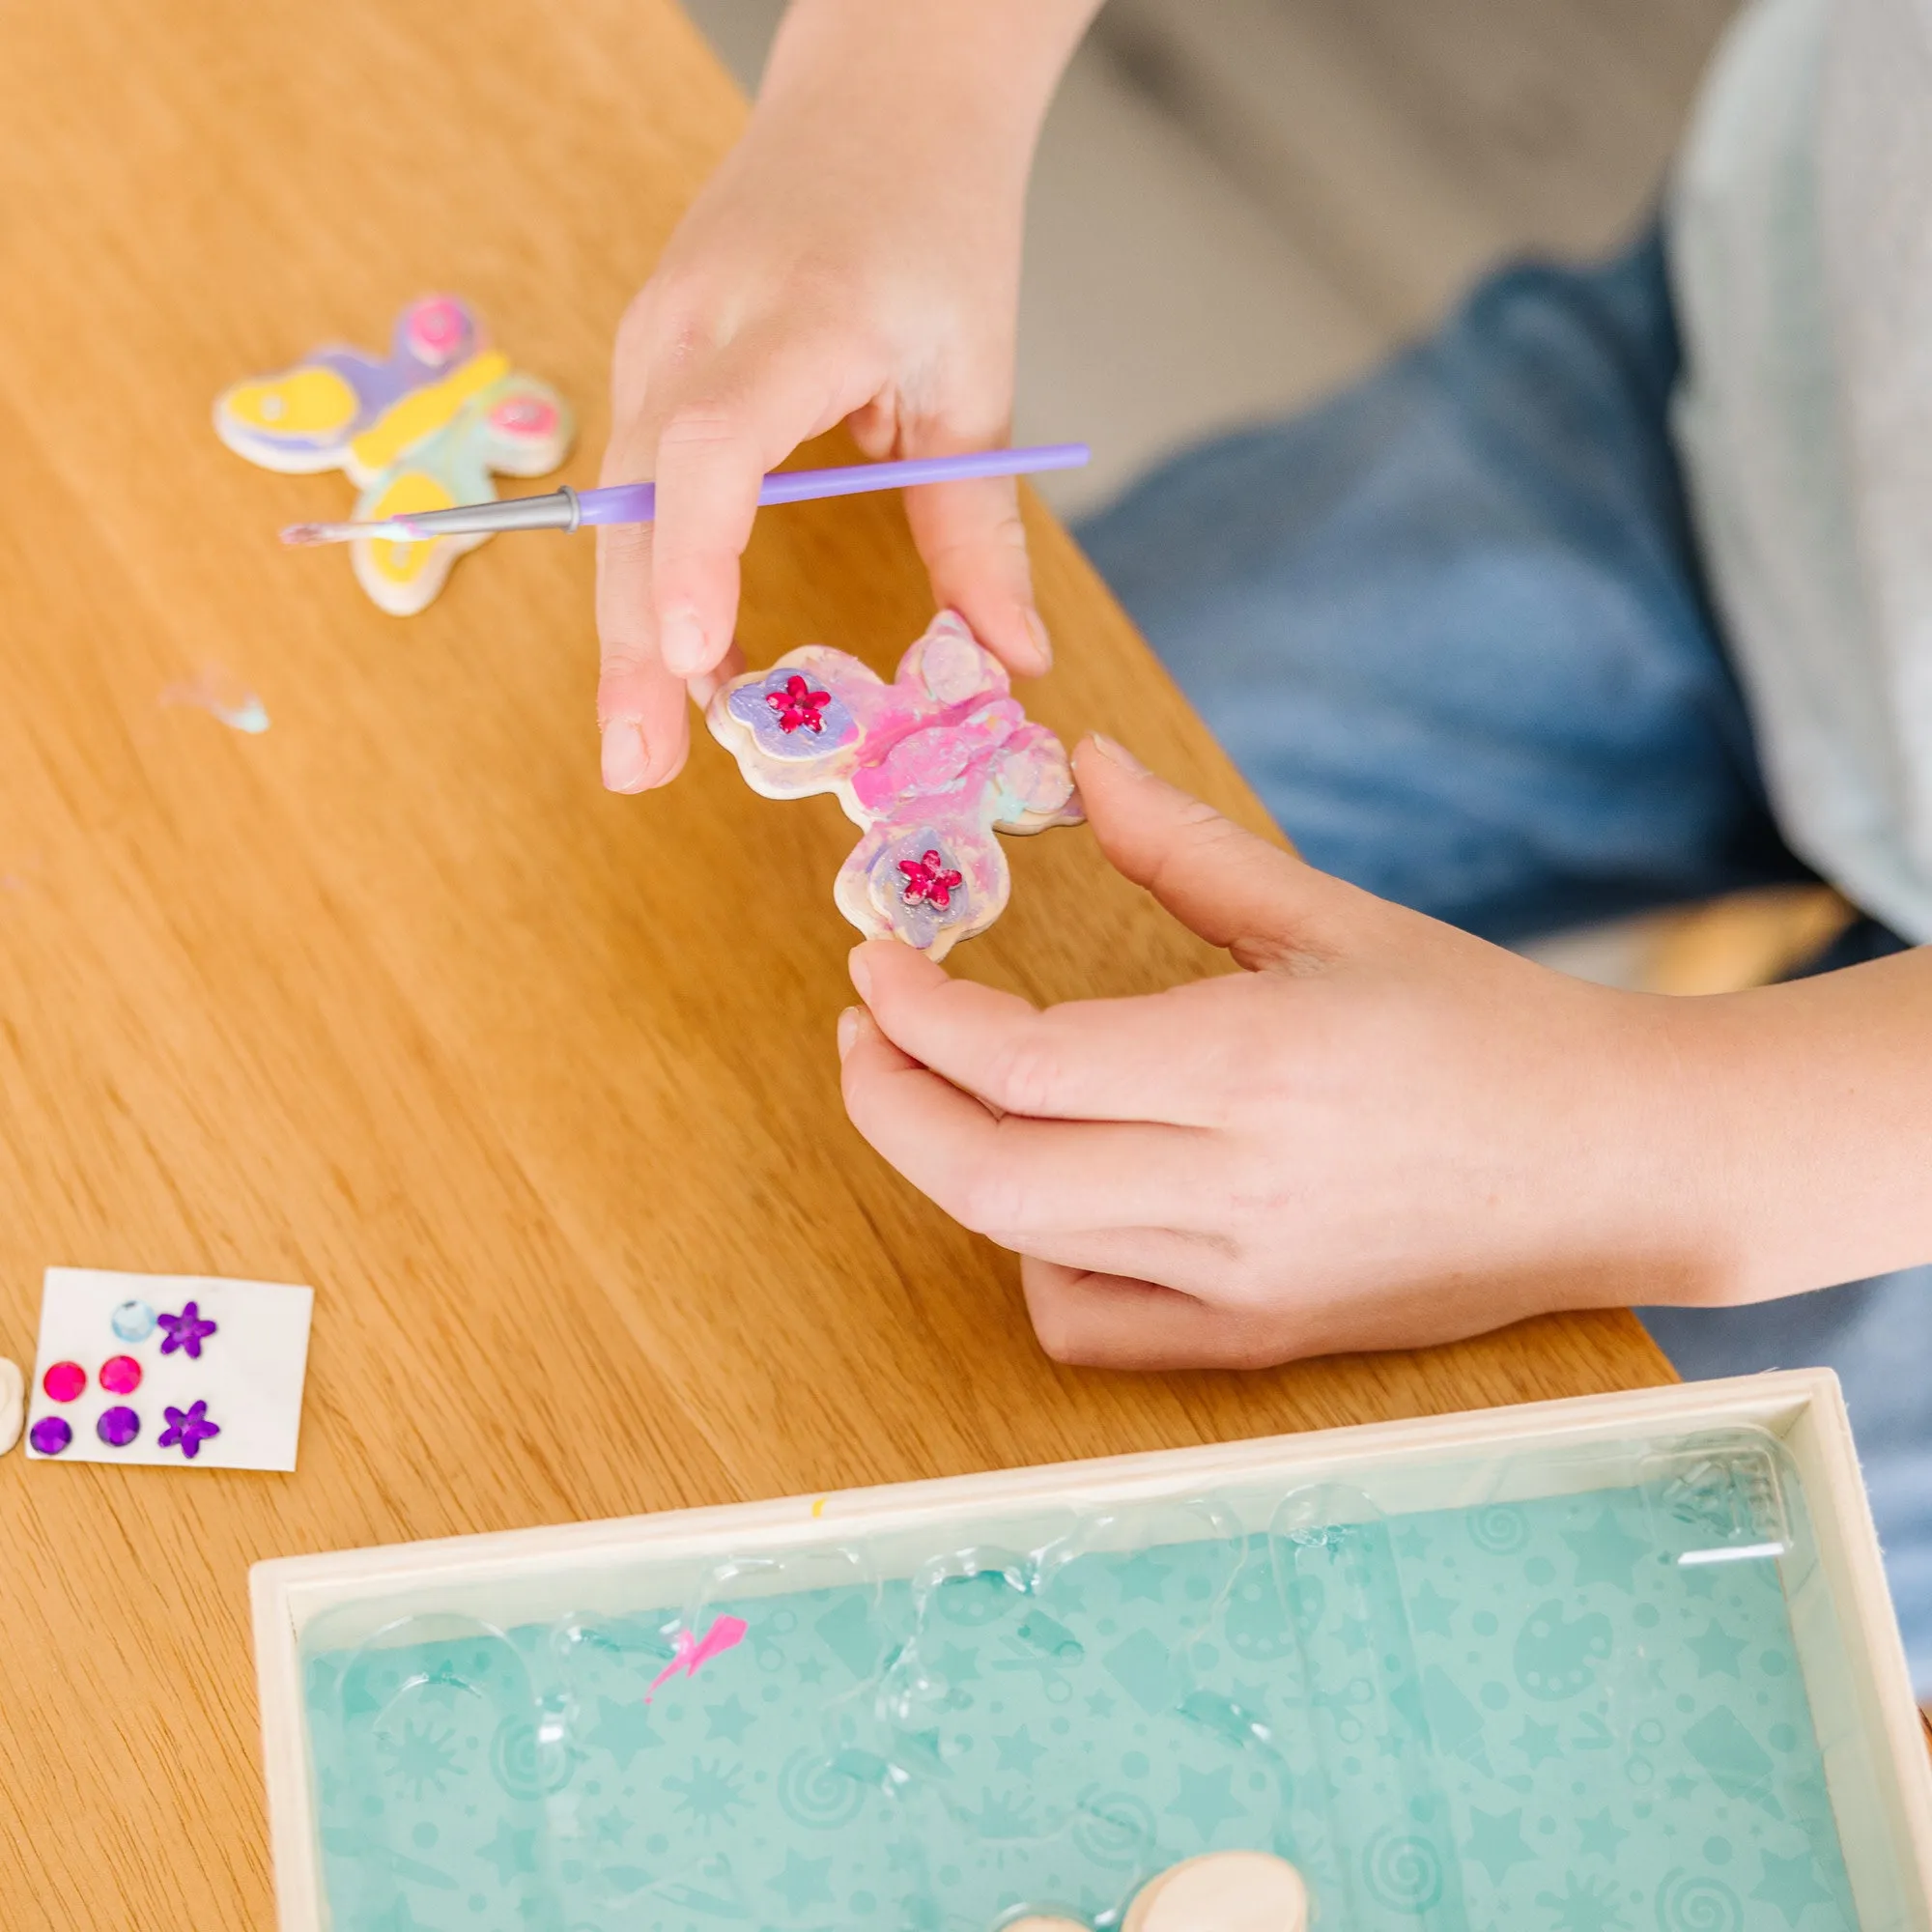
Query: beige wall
x=1239, y=203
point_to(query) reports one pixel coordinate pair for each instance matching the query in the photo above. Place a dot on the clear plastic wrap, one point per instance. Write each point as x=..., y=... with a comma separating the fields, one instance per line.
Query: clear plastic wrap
x=1565, y=1690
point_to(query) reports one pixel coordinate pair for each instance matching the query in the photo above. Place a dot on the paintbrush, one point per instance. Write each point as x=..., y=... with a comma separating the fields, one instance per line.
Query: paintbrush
x=568, y=509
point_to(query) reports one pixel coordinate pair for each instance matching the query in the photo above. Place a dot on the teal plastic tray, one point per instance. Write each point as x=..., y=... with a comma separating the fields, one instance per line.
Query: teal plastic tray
x=1599, y=1686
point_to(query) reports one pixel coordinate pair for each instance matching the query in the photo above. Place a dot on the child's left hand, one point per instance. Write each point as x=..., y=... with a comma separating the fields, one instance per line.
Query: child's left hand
x=1383, y=1133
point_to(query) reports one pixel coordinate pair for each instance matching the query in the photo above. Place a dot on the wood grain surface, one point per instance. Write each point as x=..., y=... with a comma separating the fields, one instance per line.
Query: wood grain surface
x=533, y=1085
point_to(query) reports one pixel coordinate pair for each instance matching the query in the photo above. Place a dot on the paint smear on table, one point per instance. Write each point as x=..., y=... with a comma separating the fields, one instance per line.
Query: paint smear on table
x=222, y=695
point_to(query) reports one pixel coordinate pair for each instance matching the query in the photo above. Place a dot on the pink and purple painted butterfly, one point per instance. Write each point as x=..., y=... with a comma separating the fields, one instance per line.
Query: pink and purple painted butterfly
x=422, y=428
x=933, y=765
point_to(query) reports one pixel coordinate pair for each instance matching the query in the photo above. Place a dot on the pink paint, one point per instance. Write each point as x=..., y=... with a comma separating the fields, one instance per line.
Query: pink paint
x=526, y=416
x=439, y=327
x=695, y=1651
x=930, y=765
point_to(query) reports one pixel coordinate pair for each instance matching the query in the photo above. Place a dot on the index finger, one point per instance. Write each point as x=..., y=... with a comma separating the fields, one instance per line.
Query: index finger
x=1087, y=1059
x=1009, y=1178
x=763, y=397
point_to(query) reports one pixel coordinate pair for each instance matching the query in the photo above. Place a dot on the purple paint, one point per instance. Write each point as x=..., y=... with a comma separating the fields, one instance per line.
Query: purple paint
x=429, y=339
x=752, y=705
x=921, y=871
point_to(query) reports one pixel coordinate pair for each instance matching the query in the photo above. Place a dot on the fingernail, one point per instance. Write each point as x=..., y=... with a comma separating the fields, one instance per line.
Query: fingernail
x=627, y=762
x=860, y=970
x=848, y=1030
x=1041, y=642
x=681, y=642
x=1117, y=753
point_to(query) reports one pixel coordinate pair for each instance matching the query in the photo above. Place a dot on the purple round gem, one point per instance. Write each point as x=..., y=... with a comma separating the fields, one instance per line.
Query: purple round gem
x=50, y=1435
x=117, y=1427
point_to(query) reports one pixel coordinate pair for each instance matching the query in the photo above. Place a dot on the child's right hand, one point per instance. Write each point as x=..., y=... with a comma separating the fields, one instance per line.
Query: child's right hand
x=1385, y=1132
x=856, y=258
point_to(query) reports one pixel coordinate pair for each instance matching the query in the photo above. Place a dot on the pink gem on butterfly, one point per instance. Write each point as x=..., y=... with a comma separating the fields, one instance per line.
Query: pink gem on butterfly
x=932, y=766
x=798, y=706
x=926, y=878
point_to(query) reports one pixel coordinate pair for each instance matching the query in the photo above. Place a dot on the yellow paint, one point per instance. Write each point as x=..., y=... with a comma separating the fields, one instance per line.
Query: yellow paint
x=411, y=491
x=311, y=402
x=424, y=412
x=818, y=1508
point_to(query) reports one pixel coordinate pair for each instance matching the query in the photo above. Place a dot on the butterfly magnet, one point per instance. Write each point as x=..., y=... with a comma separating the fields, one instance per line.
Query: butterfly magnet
x=424, y=428
x=931, y=765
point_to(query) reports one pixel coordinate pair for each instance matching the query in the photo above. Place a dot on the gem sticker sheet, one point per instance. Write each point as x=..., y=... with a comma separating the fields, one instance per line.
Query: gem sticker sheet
x=1534, y=1715
x=186, y=1371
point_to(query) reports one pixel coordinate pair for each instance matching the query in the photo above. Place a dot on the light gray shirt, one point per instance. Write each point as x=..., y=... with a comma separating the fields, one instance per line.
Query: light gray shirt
x=1801, y=252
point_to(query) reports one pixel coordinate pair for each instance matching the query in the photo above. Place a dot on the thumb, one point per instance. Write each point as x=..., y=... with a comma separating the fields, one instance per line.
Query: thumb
x=1220, y=881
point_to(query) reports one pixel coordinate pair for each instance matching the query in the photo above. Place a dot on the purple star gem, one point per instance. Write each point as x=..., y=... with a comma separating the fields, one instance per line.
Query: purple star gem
x=186, y=1331
x=189, y=1428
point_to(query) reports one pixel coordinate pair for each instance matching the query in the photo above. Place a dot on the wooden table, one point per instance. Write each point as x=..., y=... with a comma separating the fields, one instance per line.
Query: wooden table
x=534, y=1085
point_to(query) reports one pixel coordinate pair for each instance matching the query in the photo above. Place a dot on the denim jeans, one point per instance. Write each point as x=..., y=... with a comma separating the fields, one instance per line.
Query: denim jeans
x=1452, y=627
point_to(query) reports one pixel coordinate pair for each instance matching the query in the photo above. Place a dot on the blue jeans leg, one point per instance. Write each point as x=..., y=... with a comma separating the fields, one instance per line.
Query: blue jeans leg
x=1452, y=627
x=1450, y=623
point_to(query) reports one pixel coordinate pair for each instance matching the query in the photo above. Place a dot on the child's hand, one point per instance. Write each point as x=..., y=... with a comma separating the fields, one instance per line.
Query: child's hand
x=857, y=257
x=1383, y=1133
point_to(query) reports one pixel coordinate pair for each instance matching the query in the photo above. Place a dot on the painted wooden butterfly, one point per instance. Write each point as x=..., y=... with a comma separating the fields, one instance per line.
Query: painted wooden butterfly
x=931, y=765
x=422, y=428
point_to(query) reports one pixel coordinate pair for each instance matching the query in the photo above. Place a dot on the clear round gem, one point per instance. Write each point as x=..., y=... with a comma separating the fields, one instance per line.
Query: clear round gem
x=134, y=1320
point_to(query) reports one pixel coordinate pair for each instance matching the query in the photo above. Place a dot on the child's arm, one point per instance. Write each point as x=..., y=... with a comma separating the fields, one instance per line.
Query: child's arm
x=1385, y=1132
x=855, y=256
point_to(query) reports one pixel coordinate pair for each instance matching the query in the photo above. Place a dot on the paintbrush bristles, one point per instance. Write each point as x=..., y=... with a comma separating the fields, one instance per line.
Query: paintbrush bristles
x=303, y=535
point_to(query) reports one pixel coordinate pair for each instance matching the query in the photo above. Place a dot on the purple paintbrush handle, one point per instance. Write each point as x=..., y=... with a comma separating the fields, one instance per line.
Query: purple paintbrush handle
x=637, y=503
x=619, y=503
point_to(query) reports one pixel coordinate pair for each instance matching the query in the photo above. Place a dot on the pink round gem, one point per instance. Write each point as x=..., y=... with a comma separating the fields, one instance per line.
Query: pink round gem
x=65, y=1381
x=121, y=1374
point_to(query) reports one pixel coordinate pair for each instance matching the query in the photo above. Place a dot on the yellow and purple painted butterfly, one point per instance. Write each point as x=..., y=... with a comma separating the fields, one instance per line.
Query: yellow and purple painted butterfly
x=421, y=429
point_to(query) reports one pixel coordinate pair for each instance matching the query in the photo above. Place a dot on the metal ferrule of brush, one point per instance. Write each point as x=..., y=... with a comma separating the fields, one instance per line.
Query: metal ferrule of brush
x=556, y=510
